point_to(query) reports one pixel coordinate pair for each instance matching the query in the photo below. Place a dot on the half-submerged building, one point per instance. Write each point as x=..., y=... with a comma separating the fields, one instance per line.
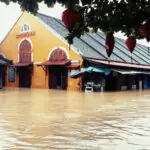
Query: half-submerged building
x=42, y=59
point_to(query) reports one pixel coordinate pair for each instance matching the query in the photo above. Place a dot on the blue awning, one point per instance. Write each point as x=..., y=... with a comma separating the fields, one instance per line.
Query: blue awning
x=90, y=70
x=4, y=61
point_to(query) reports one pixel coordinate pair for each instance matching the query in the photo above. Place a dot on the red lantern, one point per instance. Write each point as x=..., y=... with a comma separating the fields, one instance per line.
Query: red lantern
x=145, y=30
x=109, y=43
x=131, y=43
x=70, y=17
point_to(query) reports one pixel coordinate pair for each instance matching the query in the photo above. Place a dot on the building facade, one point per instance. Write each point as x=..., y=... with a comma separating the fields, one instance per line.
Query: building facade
x=42, y=58
x=39, y=57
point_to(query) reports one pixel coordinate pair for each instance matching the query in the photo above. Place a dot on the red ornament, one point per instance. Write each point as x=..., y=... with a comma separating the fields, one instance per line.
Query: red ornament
x=70, y=17
x=109, y=43
x=145, y=30
x=131, y=43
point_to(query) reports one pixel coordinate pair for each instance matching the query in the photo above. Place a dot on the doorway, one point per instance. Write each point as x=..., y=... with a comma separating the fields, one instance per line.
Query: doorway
x=24, y=77
x=112, y=82
x=24, y=64
x=2, y=77
x=58, y=77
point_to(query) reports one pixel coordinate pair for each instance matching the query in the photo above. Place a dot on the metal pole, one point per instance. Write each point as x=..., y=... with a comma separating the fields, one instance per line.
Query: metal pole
x=108, y=60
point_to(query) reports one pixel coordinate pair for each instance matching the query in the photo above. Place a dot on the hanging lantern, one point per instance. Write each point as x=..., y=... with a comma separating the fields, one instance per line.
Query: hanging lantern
x=70, y=17
x=109, y=43
x=131, y=43
x=145, y=30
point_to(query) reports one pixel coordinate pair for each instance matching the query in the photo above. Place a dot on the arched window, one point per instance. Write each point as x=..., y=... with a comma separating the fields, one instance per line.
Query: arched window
x=58, y=55
x=25, y=28
x=25, y=52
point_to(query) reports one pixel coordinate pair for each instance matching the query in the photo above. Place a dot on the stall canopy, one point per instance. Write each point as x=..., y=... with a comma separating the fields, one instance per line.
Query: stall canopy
x=51, y=63
x=90, y=70
x=22, y=64
x=4, y=61
x=130, y=72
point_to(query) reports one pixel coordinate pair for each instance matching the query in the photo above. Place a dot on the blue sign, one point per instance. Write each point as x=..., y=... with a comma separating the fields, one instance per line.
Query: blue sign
x=11, y=74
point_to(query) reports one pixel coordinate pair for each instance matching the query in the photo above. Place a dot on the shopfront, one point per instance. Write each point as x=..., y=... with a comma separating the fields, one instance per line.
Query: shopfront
x=42, y=58
x=24, y=66
x=4, y=64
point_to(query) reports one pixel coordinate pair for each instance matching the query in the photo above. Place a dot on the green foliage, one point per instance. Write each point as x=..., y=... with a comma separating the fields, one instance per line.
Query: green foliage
x=107, y=15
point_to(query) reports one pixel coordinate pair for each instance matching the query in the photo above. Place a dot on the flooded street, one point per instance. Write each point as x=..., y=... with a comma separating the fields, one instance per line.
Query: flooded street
x=41, y=119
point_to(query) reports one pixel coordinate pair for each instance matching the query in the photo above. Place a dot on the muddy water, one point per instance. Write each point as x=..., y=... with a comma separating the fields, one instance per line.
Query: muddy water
x=41, y=119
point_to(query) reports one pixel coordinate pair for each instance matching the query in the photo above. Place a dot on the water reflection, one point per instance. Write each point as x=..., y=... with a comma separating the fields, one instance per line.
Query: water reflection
x=40, y=119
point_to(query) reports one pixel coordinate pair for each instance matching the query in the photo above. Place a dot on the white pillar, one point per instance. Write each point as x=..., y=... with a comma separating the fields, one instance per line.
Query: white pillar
x=140, y=84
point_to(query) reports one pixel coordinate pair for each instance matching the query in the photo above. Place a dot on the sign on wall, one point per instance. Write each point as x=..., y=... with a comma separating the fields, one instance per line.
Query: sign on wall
x=25, y=35
x=11, y=74
x=25, y=32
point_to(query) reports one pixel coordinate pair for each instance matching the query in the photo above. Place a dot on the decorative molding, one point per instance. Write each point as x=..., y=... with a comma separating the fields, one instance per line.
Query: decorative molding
x=23, y=25
x=27, y=55
x=25, y=34
x=61, y=48
x=29, y=40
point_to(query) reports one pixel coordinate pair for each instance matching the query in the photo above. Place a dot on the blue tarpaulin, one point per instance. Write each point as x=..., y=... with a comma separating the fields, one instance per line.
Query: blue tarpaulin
x=90, y=70
x=4, y=61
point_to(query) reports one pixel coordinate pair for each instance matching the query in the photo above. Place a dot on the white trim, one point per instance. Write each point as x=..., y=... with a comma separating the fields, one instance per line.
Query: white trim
x=77, y=51
x=132, y=72
x=75, y=61
x=37, y=63
x=63, y=49
x=51, y=52
x=29, y=40
x=2, y=54
x=18, y=58
x=31, y=56
x=113, y=63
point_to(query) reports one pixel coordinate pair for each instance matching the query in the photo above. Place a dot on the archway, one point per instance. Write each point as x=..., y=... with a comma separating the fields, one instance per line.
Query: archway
x=58, y=72
x=25, y=52
x=25, y=60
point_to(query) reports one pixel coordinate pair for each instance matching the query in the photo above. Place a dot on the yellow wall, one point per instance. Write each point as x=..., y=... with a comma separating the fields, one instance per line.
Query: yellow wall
x=43, y=42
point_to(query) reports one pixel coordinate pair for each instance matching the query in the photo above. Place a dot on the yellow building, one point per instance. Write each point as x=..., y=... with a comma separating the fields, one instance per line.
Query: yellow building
x=41, y=59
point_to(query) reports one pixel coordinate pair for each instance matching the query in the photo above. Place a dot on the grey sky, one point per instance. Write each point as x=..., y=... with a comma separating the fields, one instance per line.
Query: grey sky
x=9, y=14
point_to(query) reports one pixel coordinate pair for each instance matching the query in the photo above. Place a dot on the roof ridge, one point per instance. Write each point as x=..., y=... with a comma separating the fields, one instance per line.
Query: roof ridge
x=91, y=31
x=97, y=31
x=82, y=45
x=48, y=16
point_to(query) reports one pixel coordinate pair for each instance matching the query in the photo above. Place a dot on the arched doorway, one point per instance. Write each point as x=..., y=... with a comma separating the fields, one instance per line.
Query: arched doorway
x=2, y=72
x=25, y=52
x=25, y=60
x=58, y=71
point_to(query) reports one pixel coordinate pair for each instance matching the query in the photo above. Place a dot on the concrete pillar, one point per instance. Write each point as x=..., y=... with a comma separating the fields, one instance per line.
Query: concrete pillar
x=140, y=84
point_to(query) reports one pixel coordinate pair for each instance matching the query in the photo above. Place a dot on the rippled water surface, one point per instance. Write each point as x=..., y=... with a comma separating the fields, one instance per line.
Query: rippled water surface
x=39, y=119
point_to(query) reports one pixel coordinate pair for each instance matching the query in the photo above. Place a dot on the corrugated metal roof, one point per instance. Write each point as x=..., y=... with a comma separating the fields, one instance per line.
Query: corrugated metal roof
x=93, y=44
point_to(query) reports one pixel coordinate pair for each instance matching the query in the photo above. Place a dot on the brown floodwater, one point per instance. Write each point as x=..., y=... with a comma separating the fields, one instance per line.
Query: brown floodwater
x=41, y=119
